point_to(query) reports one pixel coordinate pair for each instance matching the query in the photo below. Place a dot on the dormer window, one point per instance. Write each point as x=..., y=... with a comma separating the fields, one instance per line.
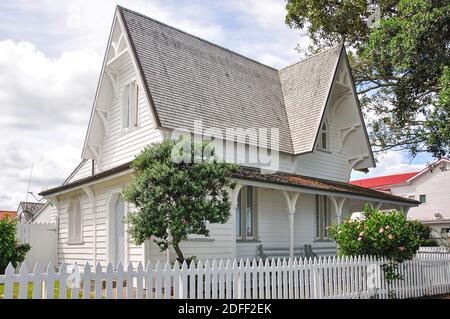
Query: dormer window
x=324, y=137
x=130, y=104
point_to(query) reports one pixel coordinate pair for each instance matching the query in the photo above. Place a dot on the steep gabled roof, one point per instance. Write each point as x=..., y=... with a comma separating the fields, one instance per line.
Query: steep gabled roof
x=190, y=79
x=306, y=87
x=27, y=210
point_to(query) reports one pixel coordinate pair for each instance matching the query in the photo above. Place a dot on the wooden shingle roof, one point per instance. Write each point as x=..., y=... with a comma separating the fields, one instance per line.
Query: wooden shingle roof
x=192, y=79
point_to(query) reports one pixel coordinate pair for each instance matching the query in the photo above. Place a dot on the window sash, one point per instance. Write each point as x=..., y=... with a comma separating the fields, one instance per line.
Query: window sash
x=126, y=107
x=249, y=214
x=239, y=216
x=324, y=137
x=246, y=214
x=130, y=106
x=423, y=198
x=75, y=221
x=323, y=217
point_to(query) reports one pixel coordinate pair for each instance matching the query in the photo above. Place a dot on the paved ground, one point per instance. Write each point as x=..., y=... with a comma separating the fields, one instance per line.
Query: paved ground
x=437, y=297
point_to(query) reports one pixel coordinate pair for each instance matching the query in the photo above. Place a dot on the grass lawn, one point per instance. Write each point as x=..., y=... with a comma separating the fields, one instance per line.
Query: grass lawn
x=30, y=291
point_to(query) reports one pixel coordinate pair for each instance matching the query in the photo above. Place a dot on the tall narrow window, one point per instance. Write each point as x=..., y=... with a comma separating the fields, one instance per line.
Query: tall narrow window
x=238, y=217
x=323, y=217
x=130, y=109
x=246, y=211
x=126, y=107
x=75, y=221
x=249, y=213
x=324, y=137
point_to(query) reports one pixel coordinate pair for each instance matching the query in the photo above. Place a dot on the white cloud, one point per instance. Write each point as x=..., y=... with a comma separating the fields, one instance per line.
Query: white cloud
x=45, y=104
x=267, y=14
x=391, y=162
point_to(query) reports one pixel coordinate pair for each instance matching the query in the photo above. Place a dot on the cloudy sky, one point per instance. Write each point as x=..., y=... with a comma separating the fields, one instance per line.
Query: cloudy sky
x=50, y=57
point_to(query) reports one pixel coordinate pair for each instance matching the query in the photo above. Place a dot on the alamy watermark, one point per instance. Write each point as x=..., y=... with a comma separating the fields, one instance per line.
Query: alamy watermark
x=256, y=147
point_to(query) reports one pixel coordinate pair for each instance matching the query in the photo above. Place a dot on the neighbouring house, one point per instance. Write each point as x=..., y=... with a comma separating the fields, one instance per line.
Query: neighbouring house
x=156, y=79
x=430, y=186
x=10, y=213
x=27, y=211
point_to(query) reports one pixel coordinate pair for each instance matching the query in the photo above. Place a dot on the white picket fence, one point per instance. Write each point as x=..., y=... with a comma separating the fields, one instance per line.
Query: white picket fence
x=322, y=278
x=441, y=249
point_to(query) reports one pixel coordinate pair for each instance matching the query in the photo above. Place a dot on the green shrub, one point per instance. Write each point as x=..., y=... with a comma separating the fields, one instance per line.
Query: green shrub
x=390, y=235
x=11, y=250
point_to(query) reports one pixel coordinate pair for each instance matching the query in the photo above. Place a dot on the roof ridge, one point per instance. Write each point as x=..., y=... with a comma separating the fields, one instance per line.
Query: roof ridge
x=311, y=56
x=196, y=37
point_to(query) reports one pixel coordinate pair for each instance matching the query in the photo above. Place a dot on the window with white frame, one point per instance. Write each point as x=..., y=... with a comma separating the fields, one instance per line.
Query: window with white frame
x=323, y=217
x=324, y=137
x=246, y=212
x=130, y=106
x=75, y=221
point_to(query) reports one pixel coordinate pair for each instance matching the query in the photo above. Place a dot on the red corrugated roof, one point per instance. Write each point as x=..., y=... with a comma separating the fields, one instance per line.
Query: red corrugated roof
x=380, y=181
x=10, y=213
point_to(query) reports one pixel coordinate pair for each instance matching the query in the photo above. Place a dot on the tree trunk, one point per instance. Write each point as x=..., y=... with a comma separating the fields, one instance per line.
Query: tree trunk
x=180, y=257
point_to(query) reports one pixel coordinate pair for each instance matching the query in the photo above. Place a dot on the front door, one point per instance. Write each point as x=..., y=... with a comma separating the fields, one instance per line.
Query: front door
x=119, y=239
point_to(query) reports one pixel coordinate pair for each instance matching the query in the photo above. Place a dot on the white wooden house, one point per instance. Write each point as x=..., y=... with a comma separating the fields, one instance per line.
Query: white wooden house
x=155, y=79
x=430, y=186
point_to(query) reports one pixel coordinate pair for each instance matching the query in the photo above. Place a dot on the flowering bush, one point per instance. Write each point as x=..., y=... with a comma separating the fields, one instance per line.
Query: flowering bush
x=380, y=234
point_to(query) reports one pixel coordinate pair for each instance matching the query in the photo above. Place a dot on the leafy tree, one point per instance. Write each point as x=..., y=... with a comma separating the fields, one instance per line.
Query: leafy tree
x=400, y=63
x=391, y=236
x=11, y=250
x=175, y=193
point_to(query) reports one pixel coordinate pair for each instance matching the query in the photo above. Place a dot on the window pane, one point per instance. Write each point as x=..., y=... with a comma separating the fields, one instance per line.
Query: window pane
x=317, y=217
x=249, y=215
x=75, y=220
x=71, y=221
x=423, y=198
x=78, y=217
x=324, y=141
x=238, y=216
x=126, y=107
x=327, y=216
x=136, y=106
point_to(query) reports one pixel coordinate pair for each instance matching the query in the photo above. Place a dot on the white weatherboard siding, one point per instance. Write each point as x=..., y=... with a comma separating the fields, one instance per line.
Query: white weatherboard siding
x=435, y=185
x=82, y=253
x=82, y=171
x=47, y=214
x=217, y=245
x=322, y=164
x=121, y=147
